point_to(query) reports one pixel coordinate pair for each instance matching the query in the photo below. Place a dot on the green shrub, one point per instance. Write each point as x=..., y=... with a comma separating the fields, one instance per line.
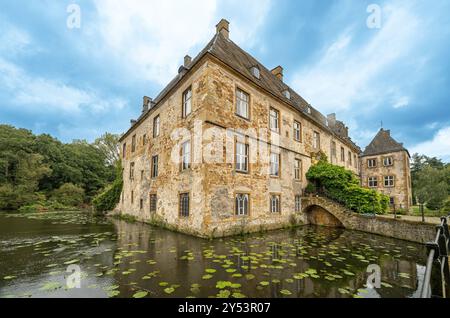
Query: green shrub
x=69, y=195
x=110, y=196
x=341, y=185
x=44, y=206
x=446, y=207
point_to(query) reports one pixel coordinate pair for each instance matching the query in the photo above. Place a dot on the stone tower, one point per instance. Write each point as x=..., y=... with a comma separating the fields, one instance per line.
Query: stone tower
x=385, y=167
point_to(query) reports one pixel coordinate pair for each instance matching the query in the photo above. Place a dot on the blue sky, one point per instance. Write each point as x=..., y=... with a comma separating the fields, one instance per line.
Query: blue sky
x=78, y=83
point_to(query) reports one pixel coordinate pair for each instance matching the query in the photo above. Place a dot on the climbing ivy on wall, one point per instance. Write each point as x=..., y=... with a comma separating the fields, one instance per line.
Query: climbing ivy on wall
x=110, y=196
x=341, y=185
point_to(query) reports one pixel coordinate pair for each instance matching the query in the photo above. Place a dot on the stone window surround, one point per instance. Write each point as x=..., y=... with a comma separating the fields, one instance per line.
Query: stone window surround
x=278, y=118
x=374, y=160
x=133, y=143
x=155, y=168
x=182, y=155
x=298, y=203
x=316, y=139
x=388, y=180
x=299, y=168
x=247, y=150
x=153, y=202
x=297, y=131
x=181, y=212
x=391, y=159
x=124, y=150
x=236, y=193
x=342, y=154
x=156, y=126
x=372, y=180
x=272, y=196
x=132, y=165
x=279, y=165
x=349, y=154
x=236, y=89
x=183, y=102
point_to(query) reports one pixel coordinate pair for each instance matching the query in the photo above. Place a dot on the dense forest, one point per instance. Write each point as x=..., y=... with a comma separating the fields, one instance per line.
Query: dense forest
x=39, y=171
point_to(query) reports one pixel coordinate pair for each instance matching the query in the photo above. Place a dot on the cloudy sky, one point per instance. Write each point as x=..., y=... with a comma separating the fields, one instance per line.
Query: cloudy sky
x=76, y=83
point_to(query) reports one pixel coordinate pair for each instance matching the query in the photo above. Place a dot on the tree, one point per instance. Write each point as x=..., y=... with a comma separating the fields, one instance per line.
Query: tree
x=69, y=194
x=431, y=187
x=108, y=144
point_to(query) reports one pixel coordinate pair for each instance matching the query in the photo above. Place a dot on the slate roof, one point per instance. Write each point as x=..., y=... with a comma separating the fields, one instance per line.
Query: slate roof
x=233, y=56
x=383, y=143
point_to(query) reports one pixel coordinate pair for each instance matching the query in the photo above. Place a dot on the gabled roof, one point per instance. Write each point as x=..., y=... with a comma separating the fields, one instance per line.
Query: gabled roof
x=236, y=58
x=383, y=143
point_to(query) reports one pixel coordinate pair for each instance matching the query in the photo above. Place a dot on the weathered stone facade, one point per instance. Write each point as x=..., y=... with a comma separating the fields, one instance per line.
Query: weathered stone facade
x=213, y=130
x=385, y=167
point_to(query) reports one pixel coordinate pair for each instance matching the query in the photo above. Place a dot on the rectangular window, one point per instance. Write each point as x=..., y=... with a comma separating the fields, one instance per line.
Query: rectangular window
x=155, y=163
x=153, y=202
x=388, y=161
x=132, y=196
x=298, y=169
x=274, y=119
x=349, y=158
x=144, y=139
x=389, y=181
x=298, y=203
x=184, y=205
x=133, y=143
x=297, y=131
x=342, y=154
x=242, y=104
x=242, y=204
x=187, y=102
x=186, y=155
x=132, y=171
x=142, y=174
x=274, y=164
x=391, y=200
x=373, y=182
x=124, y=150
x=275, y=204
x=141, y=204
x=316, y=140
x=156, y=126
x=355, y=161
x=371, y=163
x=242, y=157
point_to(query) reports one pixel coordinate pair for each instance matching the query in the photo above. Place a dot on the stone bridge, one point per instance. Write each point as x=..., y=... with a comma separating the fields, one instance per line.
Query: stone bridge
x=322, y=211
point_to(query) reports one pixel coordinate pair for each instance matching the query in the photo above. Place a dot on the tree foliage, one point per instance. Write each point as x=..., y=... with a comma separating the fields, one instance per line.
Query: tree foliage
x=107, y=200
x=68, y=194
x=34, y=166
x=430, y=181
x=341, y=185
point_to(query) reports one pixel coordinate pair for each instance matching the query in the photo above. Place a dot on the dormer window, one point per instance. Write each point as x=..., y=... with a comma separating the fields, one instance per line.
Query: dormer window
x=287, y=94
x=308, y=110
x=255, y=72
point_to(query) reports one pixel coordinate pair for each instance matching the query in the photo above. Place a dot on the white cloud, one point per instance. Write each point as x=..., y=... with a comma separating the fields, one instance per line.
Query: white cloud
x=401, y=102
x=439, y=146
x=39, y=95
x=149, y=38
x=346, y=74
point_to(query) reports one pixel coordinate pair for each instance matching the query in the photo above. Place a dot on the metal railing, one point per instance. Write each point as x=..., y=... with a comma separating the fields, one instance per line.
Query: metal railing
x=438, y=264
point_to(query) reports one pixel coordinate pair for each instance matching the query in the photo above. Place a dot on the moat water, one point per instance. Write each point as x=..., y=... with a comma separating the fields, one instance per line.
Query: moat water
x=119, y=259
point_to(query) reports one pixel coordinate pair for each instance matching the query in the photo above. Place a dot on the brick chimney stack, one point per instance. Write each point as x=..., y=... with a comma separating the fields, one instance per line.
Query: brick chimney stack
x=223, y=27
x=278, y=72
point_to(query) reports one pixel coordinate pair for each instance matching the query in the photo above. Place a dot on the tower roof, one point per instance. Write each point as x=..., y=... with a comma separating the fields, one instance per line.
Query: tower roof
x=383, y=143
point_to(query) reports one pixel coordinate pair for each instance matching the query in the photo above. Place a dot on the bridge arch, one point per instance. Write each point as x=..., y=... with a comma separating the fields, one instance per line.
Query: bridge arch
x=324, y=212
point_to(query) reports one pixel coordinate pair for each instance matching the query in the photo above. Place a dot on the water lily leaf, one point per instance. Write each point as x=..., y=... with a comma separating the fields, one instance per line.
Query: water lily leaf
x=210, y=270
x=285, y=292
x=224, y=294
x=51, y=286
x=207, y=276
x=71, y=262
x=264, y=283
x=9, y=277
x=163, y=284
x=169, y=290
x=113, y=293
x=249, y=276
x=140, y=294
x=384, y=284
x=238, y=295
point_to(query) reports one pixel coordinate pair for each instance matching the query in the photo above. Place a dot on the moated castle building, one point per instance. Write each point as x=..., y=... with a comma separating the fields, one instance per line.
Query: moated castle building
x=224, y=148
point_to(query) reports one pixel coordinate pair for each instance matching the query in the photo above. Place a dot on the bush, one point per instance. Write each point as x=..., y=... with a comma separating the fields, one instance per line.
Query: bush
x=446, y=207
x=69, y=195
x=44, y=206
x=341, y=185
x=110, y=197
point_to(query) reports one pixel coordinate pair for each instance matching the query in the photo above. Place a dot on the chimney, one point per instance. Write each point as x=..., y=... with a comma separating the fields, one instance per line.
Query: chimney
x=331, y=119
x=278, y=72
x=223, y=27
x=187, y=61
x=133, y=122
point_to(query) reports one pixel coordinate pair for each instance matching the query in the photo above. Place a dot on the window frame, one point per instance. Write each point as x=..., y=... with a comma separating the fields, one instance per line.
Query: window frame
x=374, y=160
x=277, y=112
x=237, y=208
x=181, y=212
x=278, y=155
x=184, y=112
x=132, y=167
x=153, y=203
x=246, y=157
x=371, y=182
x=133, y=143
x=390, y=179
x=298, y=169
x=391, y=160
x=183, y=154
x=124, y=150
x=156, y=126
x=277, y=205
x=316, y=141
x=298, y=203
x=239, y=100
x=155, y=168
x=297, y=131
